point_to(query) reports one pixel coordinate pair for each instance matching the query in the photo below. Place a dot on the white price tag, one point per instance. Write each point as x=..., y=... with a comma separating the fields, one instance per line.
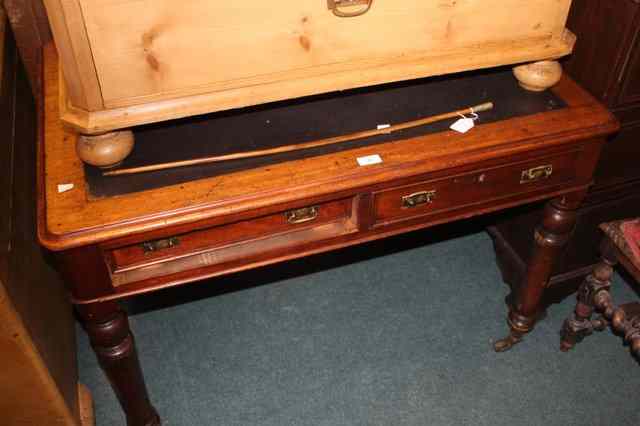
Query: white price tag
x=369, y=160
x=64, y=187
x=463, y=125
x=383, y=126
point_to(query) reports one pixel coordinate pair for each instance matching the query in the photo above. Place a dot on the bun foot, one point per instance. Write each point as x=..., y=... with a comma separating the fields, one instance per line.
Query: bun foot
x=538, y=76
x=106, y=150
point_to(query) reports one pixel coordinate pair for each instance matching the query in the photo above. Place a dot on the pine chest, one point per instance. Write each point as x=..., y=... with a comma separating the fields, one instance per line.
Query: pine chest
x=131, y=62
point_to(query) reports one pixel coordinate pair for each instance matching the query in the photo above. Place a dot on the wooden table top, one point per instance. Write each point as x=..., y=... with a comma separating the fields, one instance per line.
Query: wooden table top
x=75, y=218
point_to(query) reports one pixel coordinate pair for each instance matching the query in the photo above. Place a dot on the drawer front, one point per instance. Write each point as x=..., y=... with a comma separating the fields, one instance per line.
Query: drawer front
x=436, y=195
x=231, y=241
x=168, y=48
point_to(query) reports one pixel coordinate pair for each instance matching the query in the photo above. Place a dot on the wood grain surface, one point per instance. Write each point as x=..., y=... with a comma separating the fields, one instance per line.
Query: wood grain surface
x=206, y=46
x=81, y=82
x=209, y=56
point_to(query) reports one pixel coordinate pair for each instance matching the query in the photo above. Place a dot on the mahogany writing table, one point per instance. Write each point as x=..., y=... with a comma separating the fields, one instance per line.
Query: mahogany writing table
x=124, y=236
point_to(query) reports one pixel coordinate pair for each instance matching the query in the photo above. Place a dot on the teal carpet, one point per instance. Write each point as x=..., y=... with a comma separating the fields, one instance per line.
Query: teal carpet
x=399, y=333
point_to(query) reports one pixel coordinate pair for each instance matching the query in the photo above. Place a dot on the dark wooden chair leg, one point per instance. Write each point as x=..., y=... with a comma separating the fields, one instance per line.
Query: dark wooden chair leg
x=580, y=325
x=549, y=239
x=113, y=344
x=594, y=296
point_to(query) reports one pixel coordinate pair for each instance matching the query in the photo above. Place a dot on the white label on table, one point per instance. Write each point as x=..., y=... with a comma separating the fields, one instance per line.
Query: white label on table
x=383, y=126
x=64, y=187
x=463, y=125
x=369, y=160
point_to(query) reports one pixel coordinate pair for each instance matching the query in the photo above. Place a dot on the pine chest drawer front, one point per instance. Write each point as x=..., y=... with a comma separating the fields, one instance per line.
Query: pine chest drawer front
x=149, y=50
x=243, y=240
x=481, y=186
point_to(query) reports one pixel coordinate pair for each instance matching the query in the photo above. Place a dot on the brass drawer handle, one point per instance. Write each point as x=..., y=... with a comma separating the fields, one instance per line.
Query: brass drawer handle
x=151, y=246
x=336, y=7
x=536, y=174
x=306, y=214
x=417, y=199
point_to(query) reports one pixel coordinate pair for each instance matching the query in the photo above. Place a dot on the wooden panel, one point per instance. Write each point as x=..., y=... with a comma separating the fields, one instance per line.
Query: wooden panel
x=630, y=90
x=70, y=36
x=188, y=243
x=618, y=163
x=42, y=21
x=604, y=30
x=30, y=396
x=37, y=331
x=470, y=188
x=3, y=37
x=31, y=31
x=8, y=66
x=205, y=46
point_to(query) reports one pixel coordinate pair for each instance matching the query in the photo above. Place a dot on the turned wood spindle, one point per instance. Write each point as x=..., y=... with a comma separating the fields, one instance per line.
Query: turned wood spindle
x=113, y=343
x=594, y=296
x=628, y=328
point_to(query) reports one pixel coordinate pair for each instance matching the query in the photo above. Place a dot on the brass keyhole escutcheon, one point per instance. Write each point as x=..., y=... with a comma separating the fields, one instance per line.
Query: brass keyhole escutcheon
x=345, y=8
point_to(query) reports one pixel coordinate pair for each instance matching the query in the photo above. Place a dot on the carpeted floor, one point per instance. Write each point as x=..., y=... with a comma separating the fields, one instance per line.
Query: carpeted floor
x=399, y=333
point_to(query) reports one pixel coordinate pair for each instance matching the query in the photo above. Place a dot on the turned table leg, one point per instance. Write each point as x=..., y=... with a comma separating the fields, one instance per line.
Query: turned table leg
x=105, y=150
x=549, y=239
x=538, y=76
x=87, y=276
x=113, y=344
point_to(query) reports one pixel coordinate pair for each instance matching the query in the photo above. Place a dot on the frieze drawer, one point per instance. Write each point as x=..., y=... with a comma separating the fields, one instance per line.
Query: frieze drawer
x=484, y=185
x=240, y=240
